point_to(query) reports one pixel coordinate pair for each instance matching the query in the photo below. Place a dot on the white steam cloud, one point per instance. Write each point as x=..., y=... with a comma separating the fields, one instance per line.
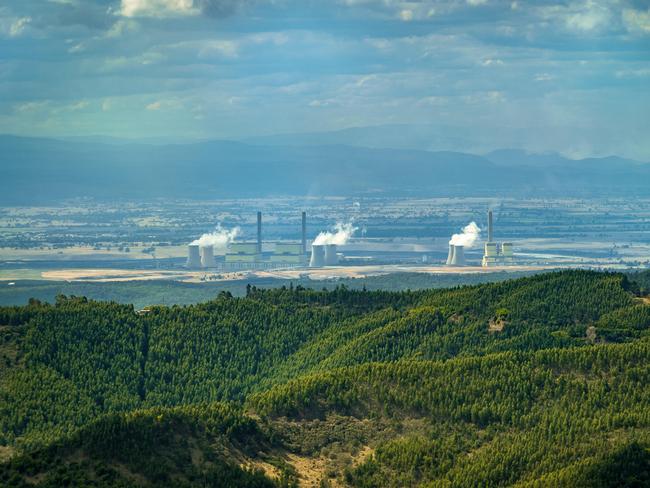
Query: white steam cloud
x=471, y=233
x=220, y=238
x=342, y=234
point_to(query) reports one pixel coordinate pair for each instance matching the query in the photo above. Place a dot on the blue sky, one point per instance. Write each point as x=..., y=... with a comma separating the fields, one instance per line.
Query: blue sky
x=568, y=76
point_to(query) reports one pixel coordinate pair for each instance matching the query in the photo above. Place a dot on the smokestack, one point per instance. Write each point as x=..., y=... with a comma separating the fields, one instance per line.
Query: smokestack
x=193, y=257
x=450, y=256
x=459, y=256
x=304, y=233
x=490, y=227
x=331, y=258
x=207, y=257
x=259, y=232
x=317, y=256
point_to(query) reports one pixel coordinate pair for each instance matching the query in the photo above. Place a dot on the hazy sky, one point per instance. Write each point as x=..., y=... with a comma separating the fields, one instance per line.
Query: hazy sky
x=572, y=76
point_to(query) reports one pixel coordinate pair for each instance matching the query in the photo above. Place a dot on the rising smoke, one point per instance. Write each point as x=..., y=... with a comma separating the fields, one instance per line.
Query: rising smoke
x=220, y=238
x=471, y=233
x=342, y=234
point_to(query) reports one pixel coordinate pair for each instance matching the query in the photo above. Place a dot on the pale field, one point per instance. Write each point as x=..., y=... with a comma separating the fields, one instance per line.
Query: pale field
x=333, y=272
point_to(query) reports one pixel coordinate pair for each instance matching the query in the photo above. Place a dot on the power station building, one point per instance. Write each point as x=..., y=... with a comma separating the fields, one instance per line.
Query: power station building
x=496, y=254
x=247, y=255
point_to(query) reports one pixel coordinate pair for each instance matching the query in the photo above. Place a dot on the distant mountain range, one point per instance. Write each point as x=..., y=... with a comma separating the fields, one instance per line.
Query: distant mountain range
x=39, y=170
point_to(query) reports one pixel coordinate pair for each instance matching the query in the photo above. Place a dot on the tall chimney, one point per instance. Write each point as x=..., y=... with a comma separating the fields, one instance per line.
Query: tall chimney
x=304, y=233
x=490, y=228
x=259, y=232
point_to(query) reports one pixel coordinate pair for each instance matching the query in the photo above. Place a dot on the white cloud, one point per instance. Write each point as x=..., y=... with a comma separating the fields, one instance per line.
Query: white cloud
x=476, y=2
x=154, y=106
x=157, y=8
x=77, y=48
x=275, y=38
x=637, y=20
x=80, y=105
x=492, y=62
x=321, y=103
x=433, y=101
x=164, y=104
x=544, y=77
x=365, y=79
x=584, y=16
x=18, y=26
x=633, y=73
x=31, y=106
x=48, y=105
x=229, y=49
x=406, y=15
x=121, y=27
x=12, y=26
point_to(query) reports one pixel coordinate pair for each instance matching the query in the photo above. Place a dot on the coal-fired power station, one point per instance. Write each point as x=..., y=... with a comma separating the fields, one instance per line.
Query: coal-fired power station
x=218, y=250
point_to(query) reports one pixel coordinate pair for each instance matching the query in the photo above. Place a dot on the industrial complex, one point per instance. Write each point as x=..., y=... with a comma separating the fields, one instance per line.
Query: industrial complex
x=496, y=254
x=250, y=255
x=280, y=255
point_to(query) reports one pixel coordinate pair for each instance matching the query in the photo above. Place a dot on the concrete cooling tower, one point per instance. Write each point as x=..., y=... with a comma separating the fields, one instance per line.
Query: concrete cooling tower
x=193, y=257
x=317, y=256
x=459, y=256
x=331, y=258
x=450, y=256
x=207, y=257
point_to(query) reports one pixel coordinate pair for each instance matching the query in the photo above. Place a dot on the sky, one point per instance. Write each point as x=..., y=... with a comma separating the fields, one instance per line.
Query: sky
x=570, y=76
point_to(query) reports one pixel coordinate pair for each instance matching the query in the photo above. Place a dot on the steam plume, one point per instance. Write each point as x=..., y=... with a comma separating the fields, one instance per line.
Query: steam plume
x=470, y=235
x=340, y=237
x=220, y=238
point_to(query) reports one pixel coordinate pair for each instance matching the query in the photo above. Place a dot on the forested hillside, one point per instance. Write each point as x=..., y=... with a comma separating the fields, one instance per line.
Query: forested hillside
x=539, y=381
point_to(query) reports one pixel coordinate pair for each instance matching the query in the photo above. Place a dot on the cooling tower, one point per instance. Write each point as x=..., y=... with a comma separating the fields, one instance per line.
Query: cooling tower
x=450, y=256
x=193, y=256
x=207, y=257
x=317, y=256
x=259, y=232
x=331, y=258
x=459, y=256
x=304, y=233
